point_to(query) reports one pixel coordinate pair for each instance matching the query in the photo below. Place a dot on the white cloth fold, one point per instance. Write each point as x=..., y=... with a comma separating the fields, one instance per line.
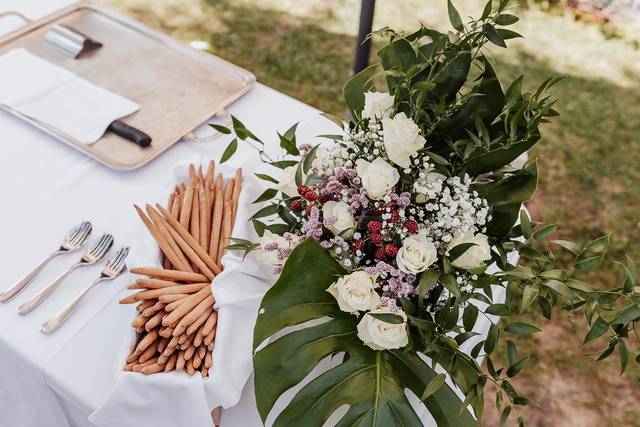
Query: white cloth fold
x=174, y=399
x=58, y=98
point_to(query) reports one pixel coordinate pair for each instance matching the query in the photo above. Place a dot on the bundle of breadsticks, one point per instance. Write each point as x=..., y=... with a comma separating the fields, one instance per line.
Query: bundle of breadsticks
x=176, y=324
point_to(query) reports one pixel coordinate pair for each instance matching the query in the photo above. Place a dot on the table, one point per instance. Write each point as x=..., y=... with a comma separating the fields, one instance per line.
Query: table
x=46, y=187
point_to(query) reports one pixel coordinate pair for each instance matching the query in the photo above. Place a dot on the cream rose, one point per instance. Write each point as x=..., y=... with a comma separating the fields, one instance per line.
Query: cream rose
x=416, y=254
x=381, y=335
x=287, y=181
x=378, y=177
x=377, y=105
x=475, y=256
x=402, y=139
x=355, y=292
x=344, y=224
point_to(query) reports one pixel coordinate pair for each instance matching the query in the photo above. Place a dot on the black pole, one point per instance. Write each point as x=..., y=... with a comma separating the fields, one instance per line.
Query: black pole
x=363, y=48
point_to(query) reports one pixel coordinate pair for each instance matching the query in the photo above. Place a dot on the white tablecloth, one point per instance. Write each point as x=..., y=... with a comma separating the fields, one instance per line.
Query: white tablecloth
x=45, y=187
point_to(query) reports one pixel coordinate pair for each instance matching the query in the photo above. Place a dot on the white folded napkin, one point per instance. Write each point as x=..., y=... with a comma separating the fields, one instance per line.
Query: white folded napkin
x=175, y=399
x=58, y=98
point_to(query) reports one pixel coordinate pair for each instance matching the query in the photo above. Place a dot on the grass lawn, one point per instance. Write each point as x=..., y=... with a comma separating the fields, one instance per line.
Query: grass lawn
x=590, y=155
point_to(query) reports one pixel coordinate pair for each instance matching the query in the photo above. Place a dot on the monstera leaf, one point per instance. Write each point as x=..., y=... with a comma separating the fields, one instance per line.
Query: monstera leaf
x=371, y=382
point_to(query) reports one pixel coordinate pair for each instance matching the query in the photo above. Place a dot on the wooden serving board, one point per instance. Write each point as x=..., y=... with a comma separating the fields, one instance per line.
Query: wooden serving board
x=177, y=88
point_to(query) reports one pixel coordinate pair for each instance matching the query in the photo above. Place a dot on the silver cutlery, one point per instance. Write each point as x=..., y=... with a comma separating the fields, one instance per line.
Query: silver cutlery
x=115, y=266
x=75, y=239
x=93, y=254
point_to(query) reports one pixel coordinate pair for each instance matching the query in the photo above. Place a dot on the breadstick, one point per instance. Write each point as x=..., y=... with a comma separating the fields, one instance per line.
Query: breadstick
x=208, y=358
x=227, y=215
x=177, y=204
x=171, y=298
x=199, y=337
x=149, y=339
x=182, y=276
x=149, y=312
x=180, y=361
x=193, y=315
x=164, y=246
x=152, y=369
x=149, y=352
x=144, y=305
x=216, y=219
x=192, y=249
x=132, y=358
x=208, y=340
x=189, y=352
x=155, y=293
x=151, y=284
x=203, y=204
x=139, y=321
x=162, y=228
x=190, y=241
x=185, y=341
x=197, y=361
x=210, y=324
x=166, y=332
x=204, y=372
x=194, y=227
x=155, y=321
x=162, y=345
x=192, y=170
x=140, y=366
x=185, y=209
x=172, y=199
x=200, y=175
x=190, y=369
x=193, y=328
x=171, y=363
x=236, y=195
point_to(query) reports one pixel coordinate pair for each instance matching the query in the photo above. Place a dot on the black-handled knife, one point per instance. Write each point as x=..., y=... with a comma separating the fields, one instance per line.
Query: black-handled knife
x=130, y=133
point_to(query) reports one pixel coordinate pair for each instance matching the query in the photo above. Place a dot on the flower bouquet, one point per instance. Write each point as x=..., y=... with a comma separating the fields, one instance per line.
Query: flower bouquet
x=398, y=238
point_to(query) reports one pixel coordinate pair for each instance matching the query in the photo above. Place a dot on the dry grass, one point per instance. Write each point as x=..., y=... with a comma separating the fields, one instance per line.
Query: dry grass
x=589, y=154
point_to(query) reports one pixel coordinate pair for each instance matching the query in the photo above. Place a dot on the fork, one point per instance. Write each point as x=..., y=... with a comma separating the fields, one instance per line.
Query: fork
x=115, y=266
x=93, y=254
x=74, y=239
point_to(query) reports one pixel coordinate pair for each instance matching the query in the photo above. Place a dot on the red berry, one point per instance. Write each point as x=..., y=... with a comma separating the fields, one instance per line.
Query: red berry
x=357, y=245
x=297, y=205
x=303, y=189
x=374, y=227
x=395, y=216
x=375, y=239
x=310, y=195
x=391, y=250
x=308, y=210
x=380, y=254
x=411, y=226
x=324, y=198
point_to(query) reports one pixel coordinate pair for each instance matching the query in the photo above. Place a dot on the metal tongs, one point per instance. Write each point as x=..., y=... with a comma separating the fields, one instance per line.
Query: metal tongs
x=70, y=42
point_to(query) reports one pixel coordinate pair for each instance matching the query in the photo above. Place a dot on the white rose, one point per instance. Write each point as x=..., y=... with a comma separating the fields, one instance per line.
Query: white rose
x=377, y=105
x=270, y=257
x=345, y=224
x=355, y=292
x=475, y=256
x=416, y=254
x=377, y=177
x=381, y=335
x=402, y=139
x=287, y=181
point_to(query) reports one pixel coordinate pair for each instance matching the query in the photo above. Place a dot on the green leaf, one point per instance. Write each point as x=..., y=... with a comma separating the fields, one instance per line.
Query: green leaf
x=525, y=224
x=589, y=264
x=241, y=131
x=504, y=416
x=282, y=164
x=309, y=158
x=506, y=19
x=428, y=279
x=355, y=89
x=520, y=328
x=265, y=177
x=514, y=369
x=492, y=338
x=624, y=355
x=629, y=314
x=394, y=319
x=268, y=194
x=512, y=352
x=570, y=246
x=289, y=145
x=501, y=310
x=266, y=211
x=545, y=231
x=528, y=297
x=372, y=383
x=597, y=246
x=460, y=249
x=259, y=226
x=493, y=36
x=222, y=129
x=469, y=316
x=433, y=385
x=598, y=329
x=454, y=17
x=559, y=287
x=508, y=34
x=487, y=9
x=450, y=284
x=229, y=151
